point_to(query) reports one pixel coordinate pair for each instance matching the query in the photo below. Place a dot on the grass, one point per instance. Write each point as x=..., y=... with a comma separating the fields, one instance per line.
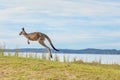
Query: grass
x=13, y=67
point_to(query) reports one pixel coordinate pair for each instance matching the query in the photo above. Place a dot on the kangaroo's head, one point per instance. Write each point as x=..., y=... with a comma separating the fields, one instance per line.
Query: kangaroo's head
x=22, y=32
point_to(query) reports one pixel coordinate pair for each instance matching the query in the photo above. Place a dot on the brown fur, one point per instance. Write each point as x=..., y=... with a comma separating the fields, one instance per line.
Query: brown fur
x=40, y=37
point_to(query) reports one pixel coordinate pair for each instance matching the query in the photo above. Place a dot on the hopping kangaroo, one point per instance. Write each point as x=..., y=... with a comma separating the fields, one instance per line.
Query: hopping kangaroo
x=40, y=37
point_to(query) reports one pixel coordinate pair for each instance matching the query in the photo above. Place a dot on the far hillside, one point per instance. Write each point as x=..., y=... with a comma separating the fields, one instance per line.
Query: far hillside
x=81, y=51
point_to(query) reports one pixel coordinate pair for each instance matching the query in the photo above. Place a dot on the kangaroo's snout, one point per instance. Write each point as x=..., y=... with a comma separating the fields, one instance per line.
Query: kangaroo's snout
x=20, y=33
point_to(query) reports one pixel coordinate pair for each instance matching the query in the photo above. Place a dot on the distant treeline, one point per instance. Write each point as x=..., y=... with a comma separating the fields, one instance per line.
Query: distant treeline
x=82, y=51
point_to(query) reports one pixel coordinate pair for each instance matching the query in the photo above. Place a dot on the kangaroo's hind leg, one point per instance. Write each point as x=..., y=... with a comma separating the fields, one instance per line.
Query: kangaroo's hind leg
x=28, y=41
x=41, y=41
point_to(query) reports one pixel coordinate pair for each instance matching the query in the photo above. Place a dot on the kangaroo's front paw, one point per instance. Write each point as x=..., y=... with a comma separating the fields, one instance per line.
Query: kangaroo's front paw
x=28, y=42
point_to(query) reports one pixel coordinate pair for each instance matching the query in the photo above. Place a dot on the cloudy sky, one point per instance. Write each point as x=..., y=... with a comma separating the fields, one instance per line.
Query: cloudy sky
x=71, y=24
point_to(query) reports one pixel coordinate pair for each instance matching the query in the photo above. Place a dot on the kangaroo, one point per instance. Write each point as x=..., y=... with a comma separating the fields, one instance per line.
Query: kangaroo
x=40, y=37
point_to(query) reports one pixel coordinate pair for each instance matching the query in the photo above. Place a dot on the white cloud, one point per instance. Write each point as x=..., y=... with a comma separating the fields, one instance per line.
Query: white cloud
x=109, y=45
x=69, y=8
x=8, y=13
x=24, y=11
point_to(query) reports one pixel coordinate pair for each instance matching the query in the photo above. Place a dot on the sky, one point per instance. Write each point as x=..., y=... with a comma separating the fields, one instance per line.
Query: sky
x=71, y=24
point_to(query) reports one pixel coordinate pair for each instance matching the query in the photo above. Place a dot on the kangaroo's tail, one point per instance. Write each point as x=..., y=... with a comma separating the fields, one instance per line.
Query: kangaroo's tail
x=50, y=42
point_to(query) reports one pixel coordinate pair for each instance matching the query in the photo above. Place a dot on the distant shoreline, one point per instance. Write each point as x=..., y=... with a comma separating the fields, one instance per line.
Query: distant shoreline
x=69, y=51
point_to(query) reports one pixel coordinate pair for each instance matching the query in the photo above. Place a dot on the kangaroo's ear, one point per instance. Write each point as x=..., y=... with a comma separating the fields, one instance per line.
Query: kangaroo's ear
x=23, y=29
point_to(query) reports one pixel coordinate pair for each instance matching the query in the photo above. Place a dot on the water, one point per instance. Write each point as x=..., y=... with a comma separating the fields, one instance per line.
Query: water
x=102, y=58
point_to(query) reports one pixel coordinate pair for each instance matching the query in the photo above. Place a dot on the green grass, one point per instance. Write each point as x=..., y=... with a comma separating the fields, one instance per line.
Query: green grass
x=13, y=67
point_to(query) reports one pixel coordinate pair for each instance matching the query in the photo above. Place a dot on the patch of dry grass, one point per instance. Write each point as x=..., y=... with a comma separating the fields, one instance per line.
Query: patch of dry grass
x=16, y=68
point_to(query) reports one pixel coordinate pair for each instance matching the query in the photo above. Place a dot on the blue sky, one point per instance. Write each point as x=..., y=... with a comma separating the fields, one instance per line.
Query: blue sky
x=71, y=24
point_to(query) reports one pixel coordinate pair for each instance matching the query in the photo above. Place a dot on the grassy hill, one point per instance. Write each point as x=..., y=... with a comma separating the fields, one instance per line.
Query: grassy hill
x=17, y=68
